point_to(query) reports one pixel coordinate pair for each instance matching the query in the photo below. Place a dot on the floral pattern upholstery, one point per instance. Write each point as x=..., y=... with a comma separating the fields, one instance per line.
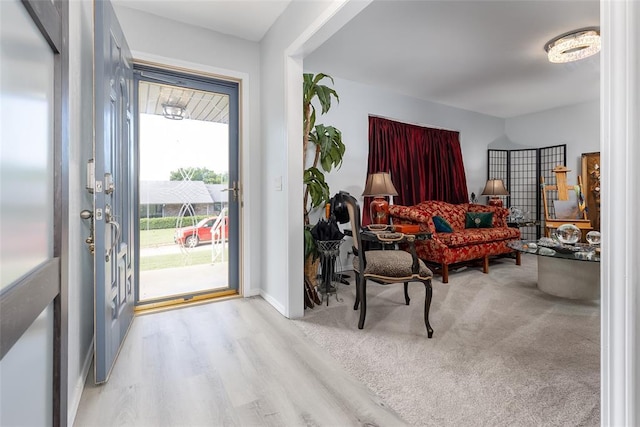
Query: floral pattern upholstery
x=464, y=244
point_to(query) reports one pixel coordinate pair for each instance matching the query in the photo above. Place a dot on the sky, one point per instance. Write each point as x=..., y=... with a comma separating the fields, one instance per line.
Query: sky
x=166, y=145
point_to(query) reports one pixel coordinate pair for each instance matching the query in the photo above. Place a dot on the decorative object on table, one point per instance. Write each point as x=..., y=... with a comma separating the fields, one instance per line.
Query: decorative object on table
x=561, y=191
x=473, y=198
x=591, y=183
x=407, y=228
x=593, y=238
x=328, y=151
x=568, y=234
x=515, y=214
x=494, y=189
x=546, y=251
x=390, y=237
x=379, y=185
x=377, y=227
x=547, y=242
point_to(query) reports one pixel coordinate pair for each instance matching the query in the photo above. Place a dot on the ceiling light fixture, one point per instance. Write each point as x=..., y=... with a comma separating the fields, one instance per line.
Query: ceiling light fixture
x=574, y=45
x=173, y=112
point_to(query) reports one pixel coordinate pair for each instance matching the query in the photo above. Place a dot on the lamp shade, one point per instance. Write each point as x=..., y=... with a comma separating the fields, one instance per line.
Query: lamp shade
x=494, y=187
x=379, y=184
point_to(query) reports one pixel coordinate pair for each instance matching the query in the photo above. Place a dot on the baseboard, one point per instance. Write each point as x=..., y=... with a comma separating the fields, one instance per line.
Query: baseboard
x=268, y=298
x=252, y=293
x=74, y=401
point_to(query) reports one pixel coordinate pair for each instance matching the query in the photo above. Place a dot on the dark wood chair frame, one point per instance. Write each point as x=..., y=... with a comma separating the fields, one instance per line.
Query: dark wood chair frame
x=359, y=250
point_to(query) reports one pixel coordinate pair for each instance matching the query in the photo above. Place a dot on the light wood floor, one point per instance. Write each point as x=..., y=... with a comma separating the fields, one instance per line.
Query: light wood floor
x=237, y=363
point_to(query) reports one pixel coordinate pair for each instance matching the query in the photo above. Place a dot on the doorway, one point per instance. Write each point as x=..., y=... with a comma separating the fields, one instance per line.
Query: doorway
x=188, y=192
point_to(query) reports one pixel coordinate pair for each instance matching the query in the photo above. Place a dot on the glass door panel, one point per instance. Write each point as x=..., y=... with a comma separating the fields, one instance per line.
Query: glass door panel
x=187, y=166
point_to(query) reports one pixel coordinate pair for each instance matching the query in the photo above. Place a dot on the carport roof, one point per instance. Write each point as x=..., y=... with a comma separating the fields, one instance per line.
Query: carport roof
x=173, y=192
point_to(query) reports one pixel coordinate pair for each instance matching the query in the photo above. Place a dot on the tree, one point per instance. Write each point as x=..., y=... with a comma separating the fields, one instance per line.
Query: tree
x=199, y=174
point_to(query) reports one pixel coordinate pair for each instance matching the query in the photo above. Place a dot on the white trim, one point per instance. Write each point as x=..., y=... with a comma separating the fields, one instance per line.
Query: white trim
x=620, y=153
x=244, y=136
x=274, y=302
x=334, y=16
x=76, y=394
x=295, y=220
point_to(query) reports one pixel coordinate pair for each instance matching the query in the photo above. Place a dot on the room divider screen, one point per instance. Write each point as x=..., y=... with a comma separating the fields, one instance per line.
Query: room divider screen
x=520, y=171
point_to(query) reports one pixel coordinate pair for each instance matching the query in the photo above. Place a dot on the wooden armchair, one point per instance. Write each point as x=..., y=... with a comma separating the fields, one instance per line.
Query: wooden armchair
x=385, y=266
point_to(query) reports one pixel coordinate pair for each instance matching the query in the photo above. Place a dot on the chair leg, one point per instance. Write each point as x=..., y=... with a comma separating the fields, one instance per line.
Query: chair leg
x=357, y=303
x=518, y=260
x=363, y=301
x=445, y=273
x=485, y=264
x=406, y=293
x=427, y=306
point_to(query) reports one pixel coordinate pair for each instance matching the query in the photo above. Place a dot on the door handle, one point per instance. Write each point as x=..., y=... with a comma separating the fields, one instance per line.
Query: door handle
x=109, y=220
x=234, y=188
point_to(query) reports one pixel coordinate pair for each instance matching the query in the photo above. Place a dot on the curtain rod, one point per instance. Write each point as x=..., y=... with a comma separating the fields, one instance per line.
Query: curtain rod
x=414, y=124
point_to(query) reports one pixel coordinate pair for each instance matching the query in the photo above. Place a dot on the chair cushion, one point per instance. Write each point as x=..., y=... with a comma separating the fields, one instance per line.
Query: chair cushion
x=391, y=265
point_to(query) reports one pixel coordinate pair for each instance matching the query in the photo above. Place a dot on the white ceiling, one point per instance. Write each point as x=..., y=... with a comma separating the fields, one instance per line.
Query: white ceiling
x=247, y=19
x=479, y=55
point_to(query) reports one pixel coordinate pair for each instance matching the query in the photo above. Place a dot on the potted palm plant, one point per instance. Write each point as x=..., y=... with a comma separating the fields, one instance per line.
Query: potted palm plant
x=323, y=150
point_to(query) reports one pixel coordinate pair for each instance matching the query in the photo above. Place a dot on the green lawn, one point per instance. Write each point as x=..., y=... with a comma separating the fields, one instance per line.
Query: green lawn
x=174, y=260
x=153, y=238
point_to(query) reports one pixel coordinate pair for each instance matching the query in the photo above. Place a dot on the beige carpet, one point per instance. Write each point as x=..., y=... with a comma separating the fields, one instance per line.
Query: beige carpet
x=502, y=354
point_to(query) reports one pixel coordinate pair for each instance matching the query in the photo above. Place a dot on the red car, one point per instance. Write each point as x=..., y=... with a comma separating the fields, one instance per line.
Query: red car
x=192, y=236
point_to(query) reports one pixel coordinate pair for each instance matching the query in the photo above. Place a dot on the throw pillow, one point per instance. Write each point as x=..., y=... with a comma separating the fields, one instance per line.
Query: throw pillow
x=442, y=226
x=478, y=220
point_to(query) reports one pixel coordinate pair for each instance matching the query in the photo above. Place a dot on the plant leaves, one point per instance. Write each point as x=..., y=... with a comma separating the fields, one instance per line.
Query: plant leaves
x=318, y=188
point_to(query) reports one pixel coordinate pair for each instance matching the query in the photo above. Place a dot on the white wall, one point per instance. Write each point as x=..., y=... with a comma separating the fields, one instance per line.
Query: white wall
x=282, y=223
x=171, y=43
x=80, y=268
x=578, y=126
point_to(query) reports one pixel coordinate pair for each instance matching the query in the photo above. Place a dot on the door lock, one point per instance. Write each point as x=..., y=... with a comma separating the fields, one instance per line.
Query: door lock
x=87, y=214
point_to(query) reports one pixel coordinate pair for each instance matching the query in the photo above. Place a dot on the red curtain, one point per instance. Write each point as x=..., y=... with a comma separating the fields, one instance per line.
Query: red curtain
x=425, y=163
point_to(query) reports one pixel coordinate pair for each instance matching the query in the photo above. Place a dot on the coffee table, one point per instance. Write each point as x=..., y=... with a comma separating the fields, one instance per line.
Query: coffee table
x=567, y=271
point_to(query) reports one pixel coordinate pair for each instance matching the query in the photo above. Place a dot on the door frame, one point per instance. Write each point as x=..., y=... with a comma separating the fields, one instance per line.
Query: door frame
x=24, y=300
x=196, y=77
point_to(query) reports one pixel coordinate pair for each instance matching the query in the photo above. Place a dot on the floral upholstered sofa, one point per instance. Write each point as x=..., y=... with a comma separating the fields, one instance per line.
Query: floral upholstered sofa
x=460, y=233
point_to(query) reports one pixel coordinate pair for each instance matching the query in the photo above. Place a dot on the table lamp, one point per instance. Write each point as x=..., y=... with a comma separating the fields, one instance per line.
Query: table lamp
x=378, y=186
x=493, y=189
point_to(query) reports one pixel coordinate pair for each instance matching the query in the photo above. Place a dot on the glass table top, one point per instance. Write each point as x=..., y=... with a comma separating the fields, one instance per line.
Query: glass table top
x=548, y=247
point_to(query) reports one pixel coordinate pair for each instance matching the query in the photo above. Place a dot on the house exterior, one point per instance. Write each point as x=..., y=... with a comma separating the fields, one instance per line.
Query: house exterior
x=270, y=74
x=173, y=198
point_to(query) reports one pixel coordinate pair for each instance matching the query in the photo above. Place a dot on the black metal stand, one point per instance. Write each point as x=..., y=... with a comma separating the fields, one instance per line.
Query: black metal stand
x=329, y=251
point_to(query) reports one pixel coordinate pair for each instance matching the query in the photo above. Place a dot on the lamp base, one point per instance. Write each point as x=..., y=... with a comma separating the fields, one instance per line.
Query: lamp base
x=495, y=201
x=379, y=208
